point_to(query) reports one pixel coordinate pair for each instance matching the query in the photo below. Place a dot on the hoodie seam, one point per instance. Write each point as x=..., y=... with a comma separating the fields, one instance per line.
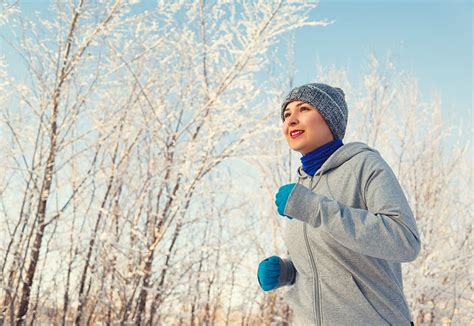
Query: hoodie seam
x=358, y=183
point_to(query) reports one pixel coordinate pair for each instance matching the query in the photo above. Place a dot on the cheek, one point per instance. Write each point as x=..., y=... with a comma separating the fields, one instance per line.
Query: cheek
x=311, y=122
x=316, y=123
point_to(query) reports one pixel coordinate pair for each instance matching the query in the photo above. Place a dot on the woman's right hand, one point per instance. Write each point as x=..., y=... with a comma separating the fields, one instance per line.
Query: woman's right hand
x=268, y=273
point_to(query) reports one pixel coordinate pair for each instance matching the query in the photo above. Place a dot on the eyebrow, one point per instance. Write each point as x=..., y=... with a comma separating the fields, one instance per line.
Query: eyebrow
x=297, y=106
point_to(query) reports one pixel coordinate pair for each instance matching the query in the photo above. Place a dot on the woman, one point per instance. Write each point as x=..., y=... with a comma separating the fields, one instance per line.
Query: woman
x=349, y=223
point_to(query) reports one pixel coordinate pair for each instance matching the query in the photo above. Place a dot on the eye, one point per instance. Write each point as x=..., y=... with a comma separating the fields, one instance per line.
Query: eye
x=286, y=115
x=304, y=108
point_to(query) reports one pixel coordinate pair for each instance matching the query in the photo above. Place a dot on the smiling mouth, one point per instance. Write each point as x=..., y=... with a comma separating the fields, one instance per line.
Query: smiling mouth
x=296, y=133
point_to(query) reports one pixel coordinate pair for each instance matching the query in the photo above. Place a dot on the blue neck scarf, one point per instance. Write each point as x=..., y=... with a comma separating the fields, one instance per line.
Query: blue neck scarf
x=313, y=160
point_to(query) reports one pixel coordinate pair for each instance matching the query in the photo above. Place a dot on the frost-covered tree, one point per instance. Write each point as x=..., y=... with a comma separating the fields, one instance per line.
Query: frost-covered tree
x=118, y=126
x=142, y=151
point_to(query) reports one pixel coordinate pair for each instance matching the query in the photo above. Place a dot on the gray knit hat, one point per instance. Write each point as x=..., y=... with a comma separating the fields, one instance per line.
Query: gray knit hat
x=329, y=101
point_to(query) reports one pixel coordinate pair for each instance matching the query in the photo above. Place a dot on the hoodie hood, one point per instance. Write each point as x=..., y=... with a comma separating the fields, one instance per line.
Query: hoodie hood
x=340, y=156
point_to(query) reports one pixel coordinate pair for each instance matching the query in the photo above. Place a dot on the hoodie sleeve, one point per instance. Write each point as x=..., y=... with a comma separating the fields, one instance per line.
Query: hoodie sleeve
x=386, y=230
x=287, y=272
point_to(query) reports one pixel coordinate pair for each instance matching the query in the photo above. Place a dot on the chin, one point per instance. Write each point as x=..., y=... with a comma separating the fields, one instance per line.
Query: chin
x=297, y=149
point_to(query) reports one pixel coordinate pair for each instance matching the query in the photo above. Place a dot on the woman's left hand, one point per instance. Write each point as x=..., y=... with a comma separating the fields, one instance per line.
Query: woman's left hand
x=281, y=198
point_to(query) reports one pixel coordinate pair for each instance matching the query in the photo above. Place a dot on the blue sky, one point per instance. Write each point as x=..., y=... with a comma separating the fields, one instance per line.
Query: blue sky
x=430, y=39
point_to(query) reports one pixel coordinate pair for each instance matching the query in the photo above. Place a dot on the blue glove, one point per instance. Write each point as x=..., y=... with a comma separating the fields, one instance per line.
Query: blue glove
x=274, y=272
x=282, y=197
x=269, y=273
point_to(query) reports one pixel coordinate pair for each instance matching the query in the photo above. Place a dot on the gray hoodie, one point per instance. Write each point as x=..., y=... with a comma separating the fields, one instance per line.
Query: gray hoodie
x=352, y=228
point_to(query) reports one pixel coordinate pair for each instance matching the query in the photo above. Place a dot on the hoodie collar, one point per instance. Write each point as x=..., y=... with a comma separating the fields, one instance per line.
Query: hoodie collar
x=341, y=155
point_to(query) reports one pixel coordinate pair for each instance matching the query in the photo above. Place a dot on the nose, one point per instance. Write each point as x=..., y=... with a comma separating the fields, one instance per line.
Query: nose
x=292, y=120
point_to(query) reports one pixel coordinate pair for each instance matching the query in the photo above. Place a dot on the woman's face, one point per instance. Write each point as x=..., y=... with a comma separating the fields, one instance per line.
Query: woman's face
x=304, y=127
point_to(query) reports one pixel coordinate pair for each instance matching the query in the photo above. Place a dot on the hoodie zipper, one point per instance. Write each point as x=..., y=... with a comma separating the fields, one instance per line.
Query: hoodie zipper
x=317, y=302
